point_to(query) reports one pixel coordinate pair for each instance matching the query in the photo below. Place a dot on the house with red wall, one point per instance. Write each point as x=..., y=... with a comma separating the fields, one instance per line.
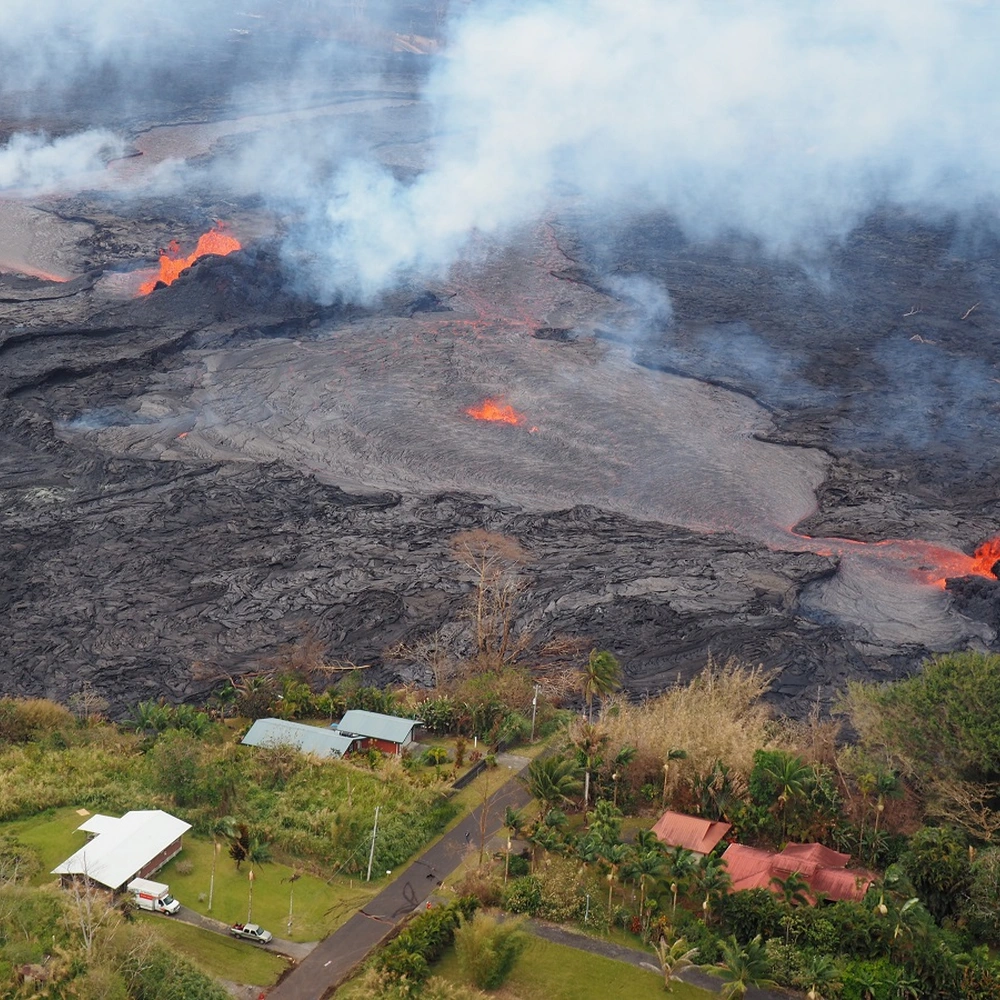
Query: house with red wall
x=120, y=849
x=387, y=733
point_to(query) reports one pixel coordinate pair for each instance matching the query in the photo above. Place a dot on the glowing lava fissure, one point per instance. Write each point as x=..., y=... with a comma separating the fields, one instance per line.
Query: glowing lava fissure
x=216, y=241
x=496, y=411
x=928, y=563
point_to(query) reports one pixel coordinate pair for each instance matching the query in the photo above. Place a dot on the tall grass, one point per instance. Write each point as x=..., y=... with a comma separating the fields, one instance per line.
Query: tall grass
x=718, y=716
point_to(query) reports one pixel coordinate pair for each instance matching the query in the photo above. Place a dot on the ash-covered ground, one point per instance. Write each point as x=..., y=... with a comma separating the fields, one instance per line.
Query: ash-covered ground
x=192, y=479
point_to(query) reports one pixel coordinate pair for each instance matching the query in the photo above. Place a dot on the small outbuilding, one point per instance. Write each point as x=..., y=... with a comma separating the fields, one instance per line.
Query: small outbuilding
x=316, y=740
x=693, y=833
x=824, y=870
x=387, y=733
x=120, y=849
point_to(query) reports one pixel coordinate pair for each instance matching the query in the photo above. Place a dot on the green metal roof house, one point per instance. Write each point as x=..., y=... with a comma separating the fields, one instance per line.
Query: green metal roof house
x=321, y=742
x=388, y=733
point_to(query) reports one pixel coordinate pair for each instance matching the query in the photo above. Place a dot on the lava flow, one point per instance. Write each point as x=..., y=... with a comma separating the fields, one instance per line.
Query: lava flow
x=927, y=563
x=215, y=241
x=496, y=411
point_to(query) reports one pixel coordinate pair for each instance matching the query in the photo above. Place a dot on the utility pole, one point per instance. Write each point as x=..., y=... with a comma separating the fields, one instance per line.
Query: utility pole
x=211, y=881
x=371, y=853
x=534, y=710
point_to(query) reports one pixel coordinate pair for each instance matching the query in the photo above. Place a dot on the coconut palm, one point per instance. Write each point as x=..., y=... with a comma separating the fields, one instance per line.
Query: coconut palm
x=743, y=966
x=674, y=958
x=646, y=840
x=553, y=781
x=602, y=675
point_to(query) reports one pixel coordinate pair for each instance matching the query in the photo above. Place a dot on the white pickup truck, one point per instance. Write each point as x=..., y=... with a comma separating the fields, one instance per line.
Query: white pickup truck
x=251, y=932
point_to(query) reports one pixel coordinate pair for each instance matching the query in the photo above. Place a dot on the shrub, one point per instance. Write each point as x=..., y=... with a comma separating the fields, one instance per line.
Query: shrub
x=405, y=961
x=751, y=912
x=518, y=865
x=487, y=950
x=938, y=865
x=523, y=895
x=983, y=907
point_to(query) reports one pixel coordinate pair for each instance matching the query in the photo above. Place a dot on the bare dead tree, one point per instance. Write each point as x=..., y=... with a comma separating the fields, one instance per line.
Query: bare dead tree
x=965, y=804
x=91, y=909
x=494, y=560
x=87, y=704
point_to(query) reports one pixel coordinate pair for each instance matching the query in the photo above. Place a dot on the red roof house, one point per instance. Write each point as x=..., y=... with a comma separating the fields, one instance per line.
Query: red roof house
x=824, y=870
x=691, y=832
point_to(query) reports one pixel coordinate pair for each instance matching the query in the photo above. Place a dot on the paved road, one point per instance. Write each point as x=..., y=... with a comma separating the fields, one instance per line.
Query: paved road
x=333, y=960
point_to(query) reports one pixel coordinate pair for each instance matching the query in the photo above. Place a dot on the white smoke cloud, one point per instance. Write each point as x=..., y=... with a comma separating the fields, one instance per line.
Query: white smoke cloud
x=31, y=162
x=786, y=121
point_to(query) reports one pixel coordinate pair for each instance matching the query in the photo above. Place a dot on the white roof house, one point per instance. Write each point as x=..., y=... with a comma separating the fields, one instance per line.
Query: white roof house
x=137, y=844
x=308, y=739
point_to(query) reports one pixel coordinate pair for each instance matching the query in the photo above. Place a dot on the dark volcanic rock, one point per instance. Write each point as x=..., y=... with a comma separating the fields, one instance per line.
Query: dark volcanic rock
x=978, y=598
x=145, y=566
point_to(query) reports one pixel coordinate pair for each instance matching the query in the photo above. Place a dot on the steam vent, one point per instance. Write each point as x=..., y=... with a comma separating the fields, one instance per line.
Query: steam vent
x=705, y=332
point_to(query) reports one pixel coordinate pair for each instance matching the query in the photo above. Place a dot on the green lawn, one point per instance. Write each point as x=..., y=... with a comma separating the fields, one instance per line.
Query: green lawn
x=53, y=834
x=548, y=971
x=317, y=908
x=226, y=958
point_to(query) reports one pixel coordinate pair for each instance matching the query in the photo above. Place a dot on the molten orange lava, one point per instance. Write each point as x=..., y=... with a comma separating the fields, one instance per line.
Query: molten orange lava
x=215, y=241
x=496, y=411
x=986, y=557
x=927, y=562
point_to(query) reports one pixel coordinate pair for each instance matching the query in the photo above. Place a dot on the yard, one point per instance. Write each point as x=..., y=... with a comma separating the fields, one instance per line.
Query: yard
x=217, y=955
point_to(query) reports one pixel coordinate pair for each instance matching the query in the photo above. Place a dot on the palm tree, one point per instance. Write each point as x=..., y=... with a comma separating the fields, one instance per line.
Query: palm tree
x=674, y=958
x=602, y=675
x=605, y=822
x=819, y=972
x=646, y=840
x=792, y=889
x=673, y=754
x=644, y=868
x=513, y=821
x=588, y=740
x=713, y=880
x=743, y=966
x=681, y=866
x=793, y=893
x=793, y=777
x=614, y=855
x=553, y=781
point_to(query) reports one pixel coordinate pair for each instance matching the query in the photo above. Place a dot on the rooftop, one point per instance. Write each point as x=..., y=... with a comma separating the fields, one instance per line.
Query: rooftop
x=123, y=846
x=376, y=726
x=320, y=741
x=691, y=832
x=824, y=870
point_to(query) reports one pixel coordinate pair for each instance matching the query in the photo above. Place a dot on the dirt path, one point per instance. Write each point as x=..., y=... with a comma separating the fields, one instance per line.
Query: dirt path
x=641, y=959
